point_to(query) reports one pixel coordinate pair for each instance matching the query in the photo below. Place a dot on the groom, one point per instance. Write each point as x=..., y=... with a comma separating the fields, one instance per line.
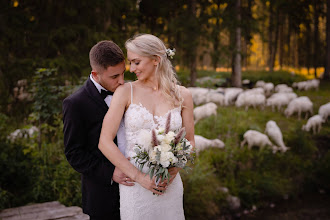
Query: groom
x=83, y=114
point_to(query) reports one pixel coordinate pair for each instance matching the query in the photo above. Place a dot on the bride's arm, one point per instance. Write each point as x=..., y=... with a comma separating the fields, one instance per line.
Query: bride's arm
x=108, y=147
x=187, y=122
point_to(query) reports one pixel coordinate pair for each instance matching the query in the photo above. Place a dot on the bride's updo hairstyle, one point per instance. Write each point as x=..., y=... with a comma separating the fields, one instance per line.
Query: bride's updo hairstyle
x=148, y=45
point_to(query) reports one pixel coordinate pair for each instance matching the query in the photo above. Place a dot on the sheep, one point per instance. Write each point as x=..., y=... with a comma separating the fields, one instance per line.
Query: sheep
x=205, y=111
x=299, y=85
x=278, y=100
x=314, y=123
x=202, y=143
x=282, y=87
x=279, y=86
x=198, y=94
x=246, y=99
x=216, y=98
x=324, y=111
x=312, y=84
x=307, y=85
x=268, y=87
x=300, y=104
x=260, y=83
x=231, y=94
x=275, y=134
x=22, y=133
x=256, y=138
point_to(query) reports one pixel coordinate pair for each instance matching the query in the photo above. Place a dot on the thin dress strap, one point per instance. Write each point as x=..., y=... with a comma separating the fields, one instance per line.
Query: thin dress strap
x=131, y=92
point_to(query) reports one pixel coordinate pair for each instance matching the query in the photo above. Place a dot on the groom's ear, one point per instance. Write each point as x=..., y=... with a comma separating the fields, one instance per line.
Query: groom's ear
x=95, y=75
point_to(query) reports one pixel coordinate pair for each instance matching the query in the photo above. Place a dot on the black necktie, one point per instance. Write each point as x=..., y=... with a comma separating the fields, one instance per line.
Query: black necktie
x=105, y=93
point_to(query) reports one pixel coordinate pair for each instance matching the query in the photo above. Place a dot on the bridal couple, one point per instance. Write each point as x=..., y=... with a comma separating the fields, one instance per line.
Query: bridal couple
x=99, y=137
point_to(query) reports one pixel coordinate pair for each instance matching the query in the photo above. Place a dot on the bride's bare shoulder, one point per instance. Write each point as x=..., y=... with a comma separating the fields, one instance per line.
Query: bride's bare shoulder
x=185, y=93
x=123, y=90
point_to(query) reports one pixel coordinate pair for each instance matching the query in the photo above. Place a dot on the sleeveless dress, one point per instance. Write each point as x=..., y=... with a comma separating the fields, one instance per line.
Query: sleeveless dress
x=137, y=202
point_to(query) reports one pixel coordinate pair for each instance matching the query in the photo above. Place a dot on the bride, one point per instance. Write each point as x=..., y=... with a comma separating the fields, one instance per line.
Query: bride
x=146, y=104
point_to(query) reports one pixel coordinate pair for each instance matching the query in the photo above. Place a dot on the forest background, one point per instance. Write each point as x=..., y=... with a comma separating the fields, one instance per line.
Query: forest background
x=46, y=44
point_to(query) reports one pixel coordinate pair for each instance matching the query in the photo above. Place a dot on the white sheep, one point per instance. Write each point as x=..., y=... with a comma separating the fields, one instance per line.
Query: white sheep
x=280, y=86
x=300, y=104
x=314, y=123
x=278, y=100
x=312, y=84
x=201, y=143
x=205, y=111
x=247, y=100
x=268, y=87
x=256, y=138
x=231, y=95
x=215, y=97
x=275, y=134
x=23, y=133
x=198, y=94
x=324, y=111
x=260, y=83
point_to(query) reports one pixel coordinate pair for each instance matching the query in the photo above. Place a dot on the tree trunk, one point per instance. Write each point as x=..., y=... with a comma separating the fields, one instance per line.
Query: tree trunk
x=274, y=44
x=281, y=41
x=288, y=56
x=326, y=75
x=308, y=47
x=236, y=76
x=270, y=37
x=316, y=36
x=192, y=63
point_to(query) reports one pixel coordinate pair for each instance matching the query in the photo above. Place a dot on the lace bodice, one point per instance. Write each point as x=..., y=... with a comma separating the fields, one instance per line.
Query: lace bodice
x=138, y=117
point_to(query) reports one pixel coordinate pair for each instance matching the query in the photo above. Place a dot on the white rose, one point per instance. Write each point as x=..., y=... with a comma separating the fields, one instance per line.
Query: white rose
x=169, y=137
x=165, y=158
x=160, y=138
x=160, y=131
x=165, y=147
x=152, y=155
x=144, y=139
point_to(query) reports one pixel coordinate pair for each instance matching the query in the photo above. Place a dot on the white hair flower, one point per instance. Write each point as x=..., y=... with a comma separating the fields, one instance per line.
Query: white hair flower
x=170, y=53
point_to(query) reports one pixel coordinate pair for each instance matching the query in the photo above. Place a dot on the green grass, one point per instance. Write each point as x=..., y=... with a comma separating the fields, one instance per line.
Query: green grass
x=258, y=177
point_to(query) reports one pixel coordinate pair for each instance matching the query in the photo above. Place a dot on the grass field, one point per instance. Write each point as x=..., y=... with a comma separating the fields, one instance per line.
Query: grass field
x=257, y=177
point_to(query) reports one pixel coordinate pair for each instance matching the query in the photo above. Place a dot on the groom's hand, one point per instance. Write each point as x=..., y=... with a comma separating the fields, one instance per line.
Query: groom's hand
x=121, y=178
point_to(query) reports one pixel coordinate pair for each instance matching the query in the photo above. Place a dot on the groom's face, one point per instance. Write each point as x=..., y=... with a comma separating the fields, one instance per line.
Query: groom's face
x=112, y=77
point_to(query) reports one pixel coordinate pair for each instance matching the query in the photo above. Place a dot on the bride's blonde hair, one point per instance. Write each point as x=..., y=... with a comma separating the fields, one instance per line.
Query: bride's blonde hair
x=150, y=46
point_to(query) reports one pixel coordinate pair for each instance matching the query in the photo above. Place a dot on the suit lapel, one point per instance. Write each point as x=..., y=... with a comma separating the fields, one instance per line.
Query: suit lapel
x=94, y=94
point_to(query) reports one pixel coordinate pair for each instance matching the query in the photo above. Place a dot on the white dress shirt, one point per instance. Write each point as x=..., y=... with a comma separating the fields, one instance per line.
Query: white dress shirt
x=121, y=138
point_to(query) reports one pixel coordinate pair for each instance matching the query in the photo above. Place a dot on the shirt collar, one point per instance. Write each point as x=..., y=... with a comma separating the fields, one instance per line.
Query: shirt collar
x=97, y=85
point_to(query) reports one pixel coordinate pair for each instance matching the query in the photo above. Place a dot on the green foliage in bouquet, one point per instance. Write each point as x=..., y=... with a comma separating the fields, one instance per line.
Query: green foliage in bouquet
x=165, y=149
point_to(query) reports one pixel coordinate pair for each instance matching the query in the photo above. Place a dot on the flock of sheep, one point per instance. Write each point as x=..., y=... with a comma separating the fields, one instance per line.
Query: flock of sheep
x=264, y=94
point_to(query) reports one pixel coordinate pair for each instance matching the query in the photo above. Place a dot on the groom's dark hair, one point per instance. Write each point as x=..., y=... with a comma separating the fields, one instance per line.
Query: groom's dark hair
x=104, y=54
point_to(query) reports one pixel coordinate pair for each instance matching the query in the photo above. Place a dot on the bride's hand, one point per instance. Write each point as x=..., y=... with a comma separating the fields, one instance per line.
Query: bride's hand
x=173, y=171
x=150, y=184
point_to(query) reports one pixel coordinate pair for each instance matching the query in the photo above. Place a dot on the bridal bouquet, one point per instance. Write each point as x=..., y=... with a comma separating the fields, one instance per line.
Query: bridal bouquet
x=162, y=149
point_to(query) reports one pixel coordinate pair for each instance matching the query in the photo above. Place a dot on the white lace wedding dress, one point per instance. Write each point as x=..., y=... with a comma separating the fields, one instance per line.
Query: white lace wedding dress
x=137, y=202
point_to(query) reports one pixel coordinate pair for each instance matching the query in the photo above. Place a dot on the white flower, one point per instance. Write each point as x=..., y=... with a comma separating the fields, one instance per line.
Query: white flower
x=169, y=137
x=166, y=158
x=170, y=53
x=152, y=155
x=144, y=139
x=165, y=147
x=160, y=130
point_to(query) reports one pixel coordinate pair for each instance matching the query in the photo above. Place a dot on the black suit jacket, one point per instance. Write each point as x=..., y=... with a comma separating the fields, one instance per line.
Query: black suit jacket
x=83, y=114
